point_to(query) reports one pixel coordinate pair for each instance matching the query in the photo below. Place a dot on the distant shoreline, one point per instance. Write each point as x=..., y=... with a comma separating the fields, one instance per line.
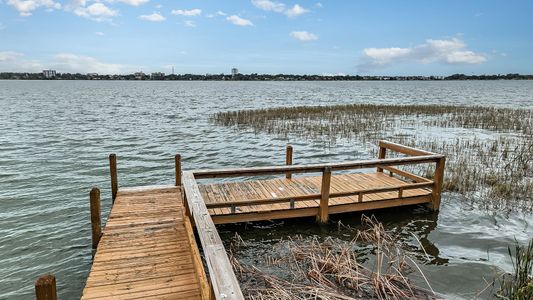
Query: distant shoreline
x=251, y=77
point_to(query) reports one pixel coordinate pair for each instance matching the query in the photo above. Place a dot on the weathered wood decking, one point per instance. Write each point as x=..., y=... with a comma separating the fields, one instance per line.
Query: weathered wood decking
x=249, y=200
x=147, y=250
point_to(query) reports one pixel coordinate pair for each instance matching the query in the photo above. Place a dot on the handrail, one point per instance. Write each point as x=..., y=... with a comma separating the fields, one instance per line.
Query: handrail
x=223, y=280
x=317, y=196
x=360, y=164
x=404, y=149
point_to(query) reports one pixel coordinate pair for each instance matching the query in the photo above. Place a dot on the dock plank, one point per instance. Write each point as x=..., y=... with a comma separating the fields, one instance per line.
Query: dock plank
x=145, y=249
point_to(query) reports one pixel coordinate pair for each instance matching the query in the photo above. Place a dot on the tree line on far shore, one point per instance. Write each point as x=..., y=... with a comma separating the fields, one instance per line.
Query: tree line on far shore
x=251, y=77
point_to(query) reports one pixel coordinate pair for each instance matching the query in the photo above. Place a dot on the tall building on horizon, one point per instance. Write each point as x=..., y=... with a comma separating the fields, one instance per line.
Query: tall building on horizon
x=234, y=71
x=49, y=73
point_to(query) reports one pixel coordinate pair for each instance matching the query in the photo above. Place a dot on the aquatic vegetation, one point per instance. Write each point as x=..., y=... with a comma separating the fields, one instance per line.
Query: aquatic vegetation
x=519, y=284
x=489, y=150
x=332, y=269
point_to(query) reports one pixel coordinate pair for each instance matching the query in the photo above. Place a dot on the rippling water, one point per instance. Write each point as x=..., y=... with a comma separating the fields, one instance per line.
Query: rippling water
x=55, y=137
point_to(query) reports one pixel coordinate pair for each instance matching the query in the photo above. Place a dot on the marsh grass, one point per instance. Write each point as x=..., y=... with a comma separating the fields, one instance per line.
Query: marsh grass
x=489, y=150
x=332, y=269
x=519, y=284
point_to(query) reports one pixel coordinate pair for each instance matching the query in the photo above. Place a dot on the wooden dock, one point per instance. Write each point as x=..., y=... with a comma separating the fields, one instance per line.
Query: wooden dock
x=147, y=250
x=148, y=247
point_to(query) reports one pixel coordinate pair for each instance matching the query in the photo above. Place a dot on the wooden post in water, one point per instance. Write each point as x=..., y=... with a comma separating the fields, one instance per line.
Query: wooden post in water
x=288, y=160
x=96, y=223
x=45, y=288
x=323, y=210
x=114, y=179
x=177, y=162
x=381, y=155
x=438, y=181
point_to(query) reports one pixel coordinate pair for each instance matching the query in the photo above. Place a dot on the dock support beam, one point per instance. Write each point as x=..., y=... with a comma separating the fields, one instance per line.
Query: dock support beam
x=45, y=288
x=438, y=181
x=113, y=172
x=177, y=162
x=323, y=210
x=288, y=160
x=381, y=155
x=96, y=221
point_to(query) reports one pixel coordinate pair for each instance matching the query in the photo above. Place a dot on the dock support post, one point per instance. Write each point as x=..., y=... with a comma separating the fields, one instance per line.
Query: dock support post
x=45, y=288
x=177, y=162
x=438, y=181
x=114, y=179
x=288, y=160
x=381, y=155
x=323, y=210
x=96, y=223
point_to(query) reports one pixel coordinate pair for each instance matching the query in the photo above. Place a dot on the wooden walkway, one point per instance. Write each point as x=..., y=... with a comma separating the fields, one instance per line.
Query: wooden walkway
x=147, y=250
x=223, y=199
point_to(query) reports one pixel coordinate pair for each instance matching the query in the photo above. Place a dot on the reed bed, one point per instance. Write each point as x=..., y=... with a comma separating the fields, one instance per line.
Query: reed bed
x=519, y=284
x=489, y=150
x=332, y=269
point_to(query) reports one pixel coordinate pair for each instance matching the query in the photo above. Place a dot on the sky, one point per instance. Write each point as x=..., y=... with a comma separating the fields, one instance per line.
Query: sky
x=322, y=37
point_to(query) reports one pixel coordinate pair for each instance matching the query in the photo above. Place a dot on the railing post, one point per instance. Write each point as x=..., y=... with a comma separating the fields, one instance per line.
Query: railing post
x=177, y=161
x=323, y=210
x=381, y=155
x=438, y=181
x=113, y=172
x=288, y=160
x=95, y=217
x=45, y=288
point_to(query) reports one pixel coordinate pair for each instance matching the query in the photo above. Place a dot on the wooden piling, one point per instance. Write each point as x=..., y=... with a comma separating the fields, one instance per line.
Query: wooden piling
x=113, y=172
x=45, y=288
x=323, y=210
x=438, y=181
x=381, y=155
x=288, y=160
x=96, y=223
x=177, y=163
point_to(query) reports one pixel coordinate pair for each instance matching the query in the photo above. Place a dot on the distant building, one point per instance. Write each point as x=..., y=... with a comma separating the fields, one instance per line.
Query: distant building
x=49, y=73
x=92, y=75
x=157, y=76
x=139, y=75
x=234, y=71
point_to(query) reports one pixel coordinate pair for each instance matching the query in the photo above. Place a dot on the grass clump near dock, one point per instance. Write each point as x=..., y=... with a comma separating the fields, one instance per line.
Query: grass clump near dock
x=519, y=284
x=333, y=269
x=489, y=150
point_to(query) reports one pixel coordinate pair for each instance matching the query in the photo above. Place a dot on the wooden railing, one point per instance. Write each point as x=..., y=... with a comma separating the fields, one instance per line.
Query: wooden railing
x=223, y=280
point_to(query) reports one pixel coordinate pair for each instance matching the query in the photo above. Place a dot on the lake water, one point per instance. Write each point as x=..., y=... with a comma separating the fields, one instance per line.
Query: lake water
x=55, y=137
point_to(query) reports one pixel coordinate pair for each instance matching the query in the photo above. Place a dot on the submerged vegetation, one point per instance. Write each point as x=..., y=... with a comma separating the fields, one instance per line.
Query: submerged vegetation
x=334, y=269
x=489, y=150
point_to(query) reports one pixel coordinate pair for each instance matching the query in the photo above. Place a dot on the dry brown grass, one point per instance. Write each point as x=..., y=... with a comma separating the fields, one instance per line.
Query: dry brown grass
x=331, y=269
x=491, y=161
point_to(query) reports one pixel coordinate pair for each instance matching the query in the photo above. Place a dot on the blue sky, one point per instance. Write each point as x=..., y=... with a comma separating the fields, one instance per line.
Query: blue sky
x=262, y=36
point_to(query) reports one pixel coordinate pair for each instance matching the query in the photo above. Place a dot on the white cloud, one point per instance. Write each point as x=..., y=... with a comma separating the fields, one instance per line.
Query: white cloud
x=154, y=17
x=132, y=2
x=2, y=26
x=71, y=63
x=295, y=11
x=239, y=21
x=450, y=51
x=280, y=7
x=319, y=5
x=99, y=33
x=189, y=23
x=96, y=11
x=189, y=13
x=26, y=7
x=158, y=6
x=221, y=13
x=11, y=61
x=304, y=36
x=269, y=5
